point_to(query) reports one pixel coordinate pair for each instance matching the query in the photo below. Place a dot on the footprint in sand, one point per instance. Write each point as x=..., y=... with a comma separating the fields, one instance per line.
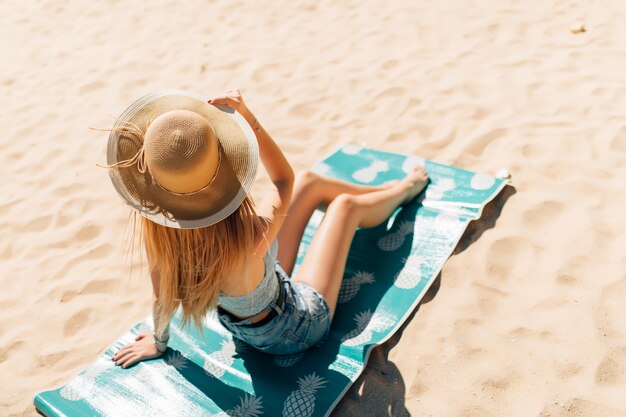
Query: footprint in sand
x=5, y=351
x=609, y=314
x=506, y=254
x=88, y=232
x=36, y=225
x=579, y=407
x=479, y=144
x=541, y=216
x=618, y=143
x=568, y=370
x=101, y=286
x=567, y=279
x=305, y=110
x=78, y=320
x=612, y=369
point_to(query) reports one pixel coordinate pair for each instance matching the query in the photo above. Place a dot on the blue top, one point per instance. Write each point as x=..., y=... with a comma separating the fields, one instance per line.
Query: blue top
x=255, y=302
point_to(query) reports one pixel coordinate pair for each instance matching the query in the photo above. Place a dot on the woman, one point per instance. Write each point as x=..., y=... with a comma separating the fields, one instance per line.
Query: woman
x=186, y=166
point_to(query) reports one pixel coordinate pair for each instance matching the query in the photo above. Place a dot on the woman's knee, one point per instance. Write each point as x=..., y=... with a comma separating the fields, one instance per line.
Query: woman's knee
x=344, y=203
x=306, y=179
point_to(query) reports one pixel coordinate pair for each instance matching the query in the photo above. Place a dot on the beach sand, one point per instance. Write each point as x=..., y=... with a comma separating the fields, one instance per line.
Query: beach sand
x=527, y=318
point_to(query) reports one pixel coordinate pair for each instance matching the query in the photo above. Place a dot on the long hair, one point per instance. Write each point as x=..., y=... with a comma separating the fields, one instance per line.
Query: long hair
x=192, y=263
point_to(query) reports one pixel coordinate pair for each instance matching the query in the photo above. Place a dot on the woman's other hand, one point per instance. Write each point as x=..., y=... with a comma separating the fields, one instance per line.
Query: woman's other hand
x=232, y=99
x=143, y=348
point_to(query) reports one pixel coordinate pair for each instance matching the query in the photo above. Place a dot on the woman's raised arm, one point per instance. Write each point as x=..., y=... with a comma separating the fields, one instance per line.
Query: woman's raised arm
x=275, y=204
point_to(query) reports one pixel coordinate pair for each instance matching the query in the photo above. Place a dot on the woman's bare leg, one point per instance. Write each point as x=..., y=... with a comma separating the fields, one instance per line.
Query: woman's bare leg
x=324, y=264
x=310, y=191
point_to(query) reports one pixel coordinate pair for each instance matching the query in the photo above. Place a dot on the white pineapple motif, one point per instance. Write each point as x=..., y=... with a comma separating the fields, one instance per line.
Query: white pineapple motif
x=369, y=173
x=223, y=356
x=83, y=384
x=250, y=406
x=177, y=360
x=482, y=181
x=436, y=190
x=322, y=168
x=350, y=149
x=366, y=323
x=285, y=361
x=412, y=162
x=350, y=286
x=394, y=240
x=411, y=274
x=301, y=402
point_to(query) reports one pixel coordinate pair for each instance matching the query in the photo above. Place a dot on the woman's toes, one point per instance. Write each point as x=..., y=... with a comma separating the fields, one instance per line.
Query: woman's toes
x=422, y=173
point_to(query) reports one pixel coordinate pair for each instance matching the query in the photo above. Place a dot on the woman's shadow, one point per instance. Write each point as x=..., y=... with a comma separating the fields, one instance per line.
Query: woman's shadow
x=380, y=390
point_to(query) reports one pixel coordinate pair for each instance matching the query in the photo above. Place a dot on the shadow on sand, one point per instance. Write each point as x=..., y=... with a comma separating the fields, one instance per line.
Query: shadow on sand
x=380, y=390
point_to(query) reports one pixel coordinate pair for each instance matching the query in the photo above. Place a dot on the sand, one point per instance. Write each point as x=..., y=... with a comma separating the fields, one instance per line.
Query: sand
x=527, y=318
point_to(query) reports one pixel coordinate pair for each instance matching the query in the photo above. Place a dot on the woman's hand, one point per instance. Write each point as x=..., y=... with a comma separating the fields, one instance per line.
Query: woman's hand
x=232, y=99
x=143, y=348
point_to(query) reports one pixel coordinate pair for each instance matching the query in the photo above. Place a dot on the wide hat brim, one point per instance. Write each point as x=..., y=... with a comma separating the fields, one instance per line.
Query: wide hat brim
x=239, y=156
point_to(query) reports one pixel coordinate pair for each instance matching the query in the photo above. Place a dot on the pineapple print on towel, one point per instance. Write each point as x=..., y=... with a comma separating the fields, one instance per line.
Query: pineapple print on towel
x=177, y=360
x=323, y=169
x=411, y=162
x=440, y=186
x=394, y=240
x=216, y=363
x=482, y=181
x=351, y=286
x=301, y=402
x=285, y=361
x=250, y=406
x=82, y=386
x=366, y=323
x=369, y=173
x=350, y=149
x=411, y=274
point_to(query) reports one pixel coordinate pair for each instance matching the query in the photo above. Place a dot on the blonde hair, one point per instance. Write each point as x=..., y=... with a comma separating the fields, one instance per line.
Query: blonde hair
x=192, y=263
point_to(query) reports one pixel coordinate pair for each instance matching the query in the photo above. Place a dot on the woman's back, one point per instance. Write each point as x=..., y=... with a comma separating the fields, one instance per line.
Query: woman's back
x=246, y=299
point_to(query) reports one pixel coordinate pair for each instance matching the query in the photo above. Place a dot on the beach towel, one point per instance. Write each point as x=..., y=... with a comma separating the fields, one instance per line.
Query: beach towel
x=389, y=269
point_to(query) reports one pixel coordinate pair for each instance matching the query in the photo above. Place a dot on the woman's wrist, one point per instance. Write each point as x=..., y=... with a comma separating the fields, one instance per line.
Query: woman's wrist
x=161, y=345
x=252, y=120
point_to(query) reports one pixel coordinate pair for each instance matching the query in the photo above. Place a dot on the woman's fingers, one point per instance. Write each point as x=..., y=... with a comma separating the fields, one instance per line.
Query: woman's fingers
x=129, y=361
x=221, y=101
x=122, y=350
x=229, y=97
x=121, y=357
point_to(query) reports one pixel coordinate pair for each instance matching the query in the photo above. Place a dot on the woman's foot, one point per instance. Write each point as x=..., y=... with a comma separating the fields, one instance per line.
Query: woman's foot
x=414, y=182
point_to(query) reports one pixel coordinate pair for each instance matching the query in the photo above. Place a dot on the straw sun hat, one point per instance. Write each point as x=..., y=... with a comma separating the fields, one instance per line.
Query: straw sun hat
x=180, y=161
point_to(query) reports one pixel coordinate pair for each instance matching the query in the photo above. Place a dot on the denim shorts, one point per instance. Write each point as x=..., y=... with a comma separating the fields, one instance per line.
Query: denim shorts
x=302, y=321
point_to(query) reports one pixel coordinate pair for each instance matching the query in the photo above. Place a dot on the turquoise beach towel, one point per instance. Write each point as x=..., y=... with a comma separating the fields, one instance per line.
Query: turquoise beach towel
x=389, y=269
